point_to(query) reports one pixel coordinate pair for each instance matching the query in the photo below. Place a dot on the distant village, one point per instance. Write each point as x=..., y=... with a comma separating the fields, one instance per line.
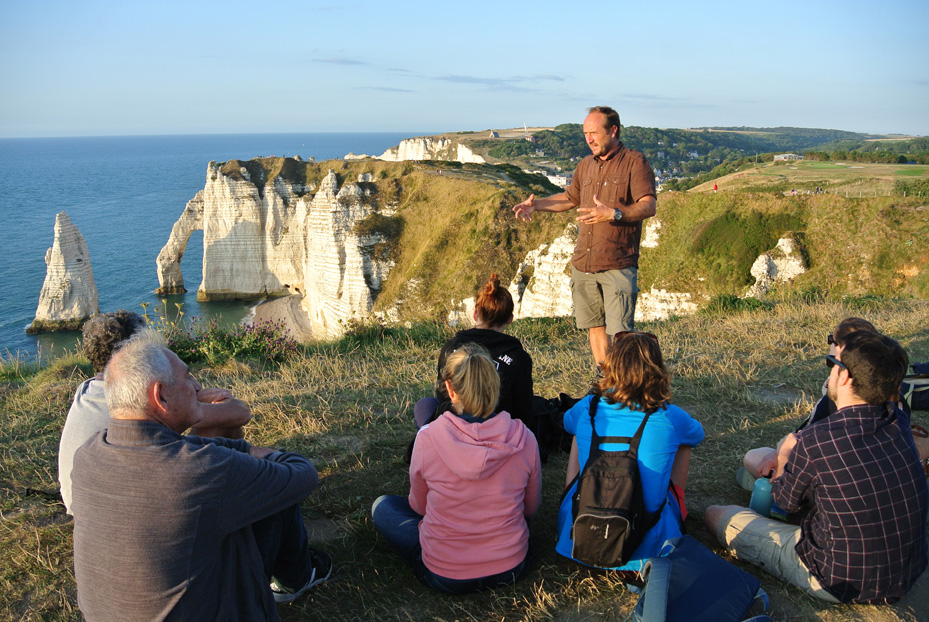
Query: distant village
x=662, y=176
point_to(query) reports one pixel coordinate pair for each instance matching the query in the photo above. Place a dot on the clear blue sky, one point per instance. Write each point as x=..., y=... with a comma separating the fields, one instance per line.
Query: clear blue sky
x=89, y=67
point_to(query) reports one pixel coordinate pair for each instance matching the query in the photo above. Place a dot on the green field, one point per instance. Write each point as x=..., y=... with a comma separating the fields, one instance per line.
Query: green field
x=852, y=179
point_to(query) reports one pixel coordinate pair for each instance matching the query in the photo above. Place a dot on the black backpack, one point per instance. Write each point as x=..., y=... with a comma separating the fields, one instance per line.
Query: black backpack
x=608, y=510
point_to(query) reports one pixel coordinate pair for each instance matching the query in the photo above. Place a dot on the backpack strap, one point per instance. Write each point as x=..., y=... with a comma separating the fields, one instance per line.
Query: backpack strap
x=659, y=582
x=762, y=617
x=596, y=440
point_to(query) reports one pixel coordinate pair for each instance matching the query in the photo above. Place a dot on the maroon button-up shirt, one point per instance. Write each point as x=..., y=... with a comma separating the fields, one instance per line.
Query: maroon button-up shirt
x=620, y=180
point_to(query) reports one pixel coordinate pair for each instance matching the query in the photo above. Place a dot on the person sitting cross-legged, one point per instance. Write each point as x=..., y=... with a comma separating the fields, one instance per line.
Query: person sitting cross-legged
x=635, y=382
x=475, y=479
x=223, y=414
x=172, y=527
x=864, y=538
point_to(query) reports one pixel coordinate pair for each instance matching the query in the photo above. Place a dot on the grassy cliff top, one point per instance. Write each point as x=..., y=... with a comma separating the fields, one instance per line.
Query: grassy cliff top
x=748, y=377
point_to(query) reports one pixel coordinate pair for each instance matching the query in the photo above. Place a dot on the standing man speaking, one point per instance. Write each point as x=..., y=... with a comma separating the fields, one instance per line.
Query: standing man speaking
x=614, y=191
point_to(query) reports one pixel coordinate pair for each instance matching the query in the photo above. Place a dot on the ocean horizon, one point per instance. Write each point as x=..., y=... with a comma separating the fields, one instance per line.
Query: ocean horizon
x=124, y=193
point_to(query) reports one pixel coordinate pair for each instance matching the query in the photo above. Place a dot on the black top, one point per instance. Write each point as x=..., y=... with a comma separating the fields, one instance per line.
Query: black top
x=513, y=364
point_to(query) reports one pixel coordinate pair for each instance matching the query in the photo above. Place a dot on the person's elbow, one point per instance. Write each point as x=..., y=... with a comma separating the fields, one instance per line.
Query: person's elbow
x=649, y=206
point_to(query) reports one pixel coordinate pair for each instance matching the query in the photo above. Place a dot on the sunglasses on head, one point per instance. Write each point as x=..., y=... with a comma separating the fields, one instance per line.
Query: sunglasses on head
x=831, y=340
x=832, y=361
x=624, y=333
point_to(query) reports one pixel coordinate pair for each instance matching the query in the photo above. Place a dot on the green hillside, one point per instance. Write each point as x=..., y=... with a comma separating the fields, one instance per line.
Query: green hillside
x=869, y=246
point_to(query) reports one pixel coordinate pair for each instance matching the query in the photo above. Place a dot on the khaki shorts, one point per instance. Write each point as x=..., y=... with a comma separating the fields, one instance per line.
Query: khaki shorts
x=769, y=544
x=605, y=299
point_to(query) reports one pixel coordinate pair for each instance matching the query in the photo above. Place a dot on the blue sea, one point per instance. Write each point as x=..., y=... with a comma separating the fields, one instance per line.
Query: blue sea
x=124, y=195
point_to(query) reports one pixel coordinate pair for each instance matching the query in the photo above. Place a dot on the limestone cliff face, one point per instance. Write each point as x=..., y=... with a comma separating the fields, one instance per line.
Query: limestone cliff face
x=542, y=284
x=169, y=259
x=69, y=294
x=431, y=148
x=780, y=265
x=277, y=238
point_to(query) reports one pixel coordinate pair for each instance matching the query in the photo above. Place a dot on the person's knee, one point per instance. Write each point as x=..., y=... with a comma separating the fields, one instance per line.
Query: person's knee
x=376, y=503
x=759, y=459
x=715, y=514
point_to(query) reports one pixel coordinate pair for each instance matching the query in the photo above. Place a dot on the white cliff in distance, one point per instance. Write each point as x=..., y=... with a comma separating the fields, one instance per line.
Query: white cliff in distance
x=277, y=238
x=427, y=148
x=69, y=294
x=542, y=285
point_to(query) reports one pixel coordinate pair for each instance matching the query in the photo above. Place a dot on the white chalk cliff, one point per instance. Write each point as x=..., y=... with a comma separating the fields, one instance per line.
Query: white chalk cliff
x=780, y=265
x=278, y=238
x=542, y=284
x=69, y=294
x=427, y=148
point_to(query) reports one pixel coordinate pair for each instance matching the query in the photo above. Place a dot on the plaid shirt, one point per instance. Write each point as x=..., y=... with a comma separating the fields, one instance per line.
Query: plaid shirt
x=865, y=536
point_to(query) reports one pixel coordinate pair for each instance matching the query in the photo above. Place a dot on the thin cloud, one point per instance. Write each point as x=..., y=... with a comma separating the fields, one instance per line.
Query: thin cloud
x=513, y=83
x=340, y=61
x=387, y=89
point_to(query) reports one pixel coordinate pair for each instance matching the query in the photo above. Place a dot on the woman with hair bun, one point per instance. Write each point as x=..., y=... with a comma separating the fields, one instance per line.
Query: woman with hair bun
x=475, y=478
x=493, y=312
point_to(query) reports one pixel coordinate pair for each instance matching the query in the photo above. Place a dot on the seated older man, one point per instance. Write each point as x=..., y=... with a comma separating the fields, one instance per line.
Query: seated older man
x=168, y=527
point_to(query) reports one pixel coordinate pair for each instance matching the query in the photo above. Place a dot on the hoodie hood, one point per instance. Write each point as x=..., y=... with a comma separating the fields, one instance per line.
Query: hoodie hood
x=473, y=451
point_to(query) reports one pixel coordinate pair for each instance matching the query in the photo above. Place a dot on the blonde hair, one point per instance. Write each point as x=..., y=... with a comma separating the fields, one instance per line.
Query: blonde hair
x=474, y=378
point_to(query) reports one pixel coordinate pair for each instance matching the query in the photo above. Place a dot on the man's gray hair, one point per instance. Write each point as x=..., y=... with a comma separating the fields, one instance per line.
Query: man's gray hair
x=139, y=362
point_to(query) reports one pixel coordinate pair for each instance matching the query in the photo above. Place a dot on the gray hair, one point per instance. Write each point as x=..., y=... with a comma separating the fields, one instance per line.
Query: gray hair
x=139, y=362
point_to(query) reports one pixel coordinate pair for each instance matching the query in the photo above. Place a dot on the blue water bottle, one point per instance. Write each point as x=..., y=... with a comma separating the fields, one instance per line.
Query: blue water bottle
x=761, y=496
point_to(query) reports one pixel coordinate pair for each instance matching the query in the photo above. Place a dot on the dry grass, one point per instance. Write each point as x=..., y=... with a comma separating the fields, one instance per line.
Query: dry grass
x=749, y=377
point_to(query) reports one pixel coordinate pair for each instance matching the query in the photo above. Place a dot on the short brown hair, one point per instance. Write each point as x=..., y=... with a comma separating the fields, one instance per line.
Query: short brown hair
x=104, y=331
x=494, y=303
x=612, y=118
x=849, y=325
x=876, y=364
x=634, y=373
x=474, y=378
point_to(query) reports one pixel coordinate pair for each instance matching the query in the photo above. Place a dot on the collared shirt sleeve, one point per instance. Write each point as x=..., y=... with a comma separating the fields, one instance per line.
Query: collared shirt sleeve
x=573, y=191
x=641, y=178
x=790, y=489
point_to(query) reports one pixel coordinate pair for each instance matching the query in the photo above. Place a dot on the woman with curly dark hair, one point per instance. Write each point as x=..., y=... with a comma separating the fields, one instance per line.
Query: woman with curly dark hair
x=635, y=382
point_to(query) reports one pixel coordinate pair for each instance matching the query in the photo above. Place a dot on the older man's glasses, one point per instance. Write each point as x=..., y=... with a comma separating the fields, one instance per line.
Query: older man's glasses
x=832, y=361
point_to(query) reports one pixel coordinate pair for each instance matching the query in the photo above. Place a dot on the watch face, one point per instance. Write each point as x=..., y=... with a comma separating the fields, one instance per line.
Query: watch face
x=617, y=215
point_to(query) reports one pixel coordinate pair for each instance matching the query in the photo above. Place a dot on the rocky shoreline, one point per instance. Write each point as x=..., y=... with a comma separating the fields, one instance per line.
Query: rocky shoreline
x=288, y=311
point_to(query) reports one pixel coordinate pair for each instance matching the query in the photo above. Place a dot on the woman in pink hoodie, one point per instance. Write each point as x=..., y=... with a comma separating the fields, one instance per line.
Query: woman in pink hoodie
x=475, y=477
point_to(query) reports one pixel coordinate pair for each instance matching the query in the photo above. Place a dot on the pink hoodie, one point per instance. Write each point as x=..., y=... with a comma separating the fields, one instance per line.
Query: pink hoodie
x=475, y=484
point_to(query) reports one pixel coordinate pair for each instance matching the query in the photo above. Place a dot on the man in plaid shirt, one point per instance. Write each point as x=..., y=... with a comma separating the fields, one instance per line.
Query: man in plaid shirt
x=864, y=539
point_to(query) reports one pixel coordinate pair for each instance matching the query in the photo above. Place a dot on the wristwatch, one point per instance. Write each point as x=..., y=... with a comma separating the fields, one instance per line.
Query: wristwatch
x=617, y=215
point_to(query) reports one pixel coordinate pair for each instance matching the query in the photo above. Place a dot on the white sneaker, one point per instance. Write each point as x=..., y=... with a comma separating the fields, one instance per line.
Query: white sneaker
x=322, y=568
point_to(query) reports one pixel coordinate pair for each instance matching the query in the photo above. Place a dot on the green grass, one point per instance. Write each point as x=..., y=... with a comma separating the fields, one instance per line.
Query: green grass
x=911, y=172
x=825, y=165
x=747, y=375
x=708, y=242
